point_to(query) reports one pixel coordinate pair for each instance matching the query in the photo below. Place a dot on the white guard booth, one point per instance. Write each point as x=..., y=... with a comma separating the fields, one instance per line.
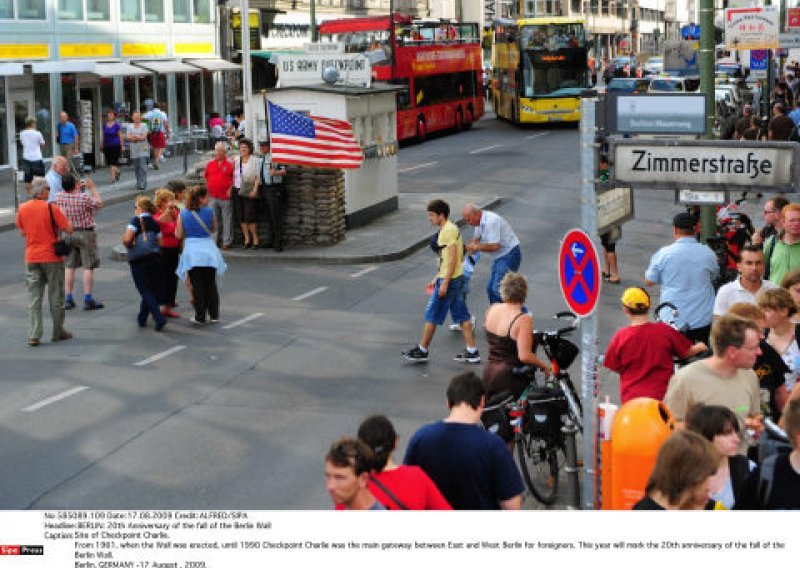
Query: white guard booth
x=371, y=190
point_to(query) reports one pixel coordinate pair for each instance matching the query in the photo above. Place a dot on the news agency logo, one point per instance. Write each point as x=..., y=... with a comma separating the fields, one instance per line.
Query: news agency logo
x=21, y=550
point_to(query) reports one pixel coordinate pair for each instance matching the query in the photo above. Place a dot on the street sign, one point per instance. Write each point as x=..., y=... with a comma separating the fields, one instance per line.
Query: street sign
x=683, y=114
x=614, y=207
x=789, y=41
x=579, y=272
x=705, y=164
x=759, y=59
x=751, y=28
x=693, y=197
x=681, y=57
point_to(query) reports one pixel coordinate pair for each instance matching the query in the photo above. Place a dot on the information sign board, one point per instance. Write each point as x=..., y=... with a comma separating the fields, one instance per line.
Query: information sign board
x=751, y=28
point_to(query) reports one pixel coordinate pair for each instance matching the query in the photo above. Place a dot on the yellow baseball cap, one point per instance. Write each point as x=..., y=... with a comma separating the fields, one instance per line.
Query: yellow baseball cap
x=636, y=299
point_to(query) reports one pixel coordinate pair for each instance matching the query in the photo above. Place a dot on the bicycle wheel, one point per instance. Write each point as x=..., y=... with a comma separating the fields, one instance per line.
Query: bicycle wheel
x=539, y=466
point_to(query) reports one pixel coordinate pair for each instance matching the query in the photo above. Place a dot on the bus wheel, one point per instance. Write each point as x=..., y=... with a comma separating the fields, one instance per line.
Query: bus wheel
x=459, y=120
x=421, y=132
x=468, y=122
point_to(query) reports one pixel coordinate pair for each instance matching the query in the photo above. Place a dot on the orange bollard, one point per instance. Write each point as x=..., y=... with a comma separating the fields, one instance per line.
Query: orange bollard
x=640, y=427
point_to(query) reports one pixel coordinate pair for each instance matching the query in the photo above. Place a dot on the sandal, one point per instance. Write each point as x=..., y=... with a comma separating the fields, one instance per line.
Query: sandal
x=610, y=280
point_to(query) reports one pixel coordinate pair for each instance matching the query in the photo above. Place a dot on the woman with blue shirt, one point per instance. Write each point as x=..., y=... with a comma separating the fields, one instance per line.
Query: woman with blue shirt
x=145, y=269
x=200, y=259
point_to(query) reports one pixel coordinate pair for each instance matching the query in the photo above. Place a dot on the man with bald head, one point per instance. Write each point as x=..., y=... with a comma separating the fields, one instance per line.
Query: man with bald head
x=58, y=169
x=495, y=236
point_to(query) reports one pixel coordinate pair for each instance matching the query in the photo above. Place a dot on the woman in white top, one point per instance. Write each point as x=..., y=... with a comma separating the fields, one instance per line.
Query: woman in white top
x=32, y=142
x=245, y=171
x=779, y=307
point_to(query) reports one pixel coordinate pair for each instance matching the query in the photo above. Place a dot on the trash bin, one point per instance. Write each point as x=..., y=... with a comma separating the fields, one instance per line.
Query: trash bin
x=640, y=427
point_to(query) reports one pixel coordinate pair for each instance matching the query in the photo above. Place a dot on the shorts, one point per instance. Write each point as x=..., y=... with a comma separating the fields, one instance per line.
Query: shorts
x=158, y=139
x=610, y=237
x=112, y=155
x=455, y=301
x=84, y=250
x=249, y=210
x=32, y=169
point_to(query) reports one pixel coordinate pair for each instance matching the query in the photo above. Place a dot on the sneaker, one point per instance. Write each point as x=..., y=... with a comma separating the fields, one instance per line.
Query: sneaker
x=93, y=305
x=416, y=355
x=212, y=321
x=69, y=304
x=195, y=321
x=457, y=326
x=467, y=357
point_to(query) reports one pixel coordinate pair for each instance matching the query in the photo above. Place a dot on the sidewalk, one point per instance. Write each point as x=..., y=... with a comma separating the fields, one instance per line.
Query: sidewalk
x=390, y=237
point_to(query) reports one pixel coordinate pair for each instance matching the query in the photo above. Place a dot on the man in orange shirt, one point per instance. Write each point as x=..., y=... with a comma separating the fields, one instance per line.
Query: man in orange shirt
x=42, y=266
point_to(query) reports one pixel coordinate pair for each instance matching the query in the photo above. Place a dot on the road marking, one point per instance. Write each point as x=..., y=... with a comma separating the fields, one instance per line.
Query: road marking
x=412, y=168
x=363, y=272
x=161, y=355
x=536, y=135
x=479, y=150
x=309, y=294
x=55, y=398
x=242, y=321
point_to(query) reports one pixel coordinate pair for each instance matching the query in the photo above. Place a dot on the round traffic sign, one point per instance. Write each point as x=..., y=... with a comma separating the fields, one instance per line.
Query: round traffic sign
x=579, y=272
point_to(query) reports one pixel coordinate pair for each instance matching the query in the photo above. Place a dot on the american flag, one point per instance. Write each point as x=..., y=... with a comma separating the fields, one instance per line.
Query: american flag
x=312, y=140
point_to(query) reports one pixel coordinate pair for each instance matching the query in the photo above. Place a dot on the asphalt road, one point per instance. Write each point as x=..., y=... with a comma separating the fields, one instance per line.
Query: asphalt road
x=240, y=415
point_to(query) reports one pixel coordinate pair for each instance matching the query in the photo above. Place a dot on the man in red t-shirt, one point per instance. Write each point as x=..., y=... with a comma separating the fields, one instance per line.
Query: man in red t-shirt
x=643, y=352
x=219, y=178
x=43, y=268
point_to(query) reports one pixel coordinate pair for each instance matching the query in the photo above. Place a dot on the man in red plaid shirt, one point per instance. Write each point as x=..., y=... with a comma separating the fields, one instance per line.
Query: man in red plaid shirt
x=79, y=207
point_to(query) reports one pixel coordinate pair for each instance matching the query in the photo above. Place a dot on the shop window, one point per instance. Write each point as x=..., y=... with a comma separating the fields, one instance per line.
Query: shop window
x=161, y=87
x=6, y=13
x=41, y=102
x=208, y=90
x=196, y=100
x=98, y=10
x=31, y=9
x=129, y=95
x=181, y=11
x=202, y=11
x=69, y=94
x=106, y=95
x=70, y=9
x=130, y=10
x=153, y=10
x=180, y=99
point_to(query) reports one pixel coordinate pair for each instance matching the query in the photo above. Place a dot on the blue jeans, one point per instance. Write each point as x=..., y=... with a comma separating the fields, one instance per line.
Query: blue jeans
x=454, y=301
x=140, y=169
x=146, y=279
x=509, y=262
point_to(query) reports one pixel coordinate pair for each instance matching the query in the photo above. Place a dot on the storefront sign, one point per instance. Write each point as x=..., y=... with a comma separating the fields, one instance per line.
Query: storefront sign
x=143, y=49
x=713, y=164
x=86, y=50
x=296, y=70
x=24, y=51
x=751, y=28
x=793, y=18
x=193, y=49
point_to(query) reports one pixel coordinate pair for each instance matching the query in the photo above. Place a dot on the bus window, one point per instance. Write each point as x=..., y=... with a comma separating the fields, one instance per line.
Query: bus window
x=403, y=97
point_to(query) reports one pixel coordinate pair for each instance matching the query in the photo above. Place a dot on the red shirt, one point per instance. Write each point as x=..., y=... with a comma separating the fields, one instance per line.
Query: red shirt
x=33, y=220
x=412, y=486
x=168, y=238
x=642, y=355
x=219, y=178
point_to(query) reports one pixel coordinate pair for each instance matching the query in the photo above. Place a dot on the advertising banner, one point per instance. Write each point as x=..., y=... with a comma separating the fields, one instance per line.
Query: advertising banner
x=751, y=28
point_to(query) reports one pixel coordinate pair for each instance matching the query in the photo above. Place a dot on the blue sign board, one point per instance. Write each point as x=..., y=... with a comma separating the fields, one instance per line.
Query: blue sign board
x=579, y=272
x=759, y=59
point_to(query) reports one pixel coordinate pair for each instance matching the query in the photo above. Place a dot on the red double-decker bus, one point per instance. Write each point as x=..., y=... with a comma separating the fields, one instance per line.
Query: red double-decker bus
x=437, y=61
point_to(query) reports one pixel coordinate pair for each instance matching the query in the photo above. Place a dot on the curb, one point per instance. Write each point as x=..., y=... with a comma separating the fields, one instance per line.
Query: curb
x=314, y=257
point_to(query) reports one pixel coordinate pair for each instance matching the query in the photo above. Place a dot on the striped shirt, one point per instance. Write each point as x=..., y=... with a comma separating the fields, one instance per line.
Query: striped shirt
x=79, y=208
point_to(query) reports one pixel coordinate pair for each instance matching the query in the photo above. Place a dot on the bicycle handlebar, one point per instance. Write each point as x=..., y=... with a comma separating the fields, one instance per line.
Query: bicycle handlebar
x=563, y=330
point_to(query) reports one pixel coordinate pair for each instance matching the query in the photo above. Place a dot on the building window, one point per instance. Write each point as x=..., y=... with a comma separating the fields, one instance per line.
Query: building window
x=70, y=9
x=202, y=11
x=31, y=9
x=6, y=13
x=98, y=10
x=130, y=10
x=181, y=11
x=153, y=10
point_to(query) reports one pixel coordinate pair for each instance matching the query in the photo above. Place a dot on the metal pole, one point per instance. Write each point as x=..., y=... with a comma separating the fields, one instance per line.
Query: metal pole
x=589, y=324
x=707, y=218
x=571, y=467
x=185, y=156
x=247, y=72
x=15, y=179
x=313, y=20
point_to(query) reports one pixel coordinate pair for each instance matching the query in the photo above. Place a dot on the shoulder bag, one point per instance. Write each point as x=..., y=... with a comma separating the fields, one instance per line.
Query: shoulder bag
x=388, y=493
x=246, y=186
x=202, y=223
x=146, y=243
x=60, y=247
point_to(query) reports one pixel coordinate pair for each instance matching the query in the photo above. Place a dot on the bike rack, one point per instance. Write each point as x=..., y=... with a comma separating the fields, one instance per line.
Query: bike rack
x=571, y=466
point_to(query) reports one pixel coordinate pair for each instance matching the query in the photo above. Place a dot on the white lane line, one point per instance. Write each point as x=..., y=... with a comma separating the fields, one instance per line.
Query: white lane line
x=242, y=321
x=363, y=272
x=486, y=148
x=536, y=135
x=412, y=168
x=161, y=355
x=55, y=398
x=309, y=294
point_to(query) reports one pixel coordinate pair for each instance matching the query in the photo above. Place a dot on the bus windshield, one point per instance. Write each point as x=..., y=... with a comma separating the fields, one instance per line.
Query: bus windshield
x=552, y=36
x=552, y=73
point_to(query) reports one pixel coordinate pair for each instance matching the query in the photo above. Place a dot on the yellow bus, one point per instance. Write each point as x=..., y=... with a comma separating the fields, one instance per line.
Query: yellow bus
x=539, y=69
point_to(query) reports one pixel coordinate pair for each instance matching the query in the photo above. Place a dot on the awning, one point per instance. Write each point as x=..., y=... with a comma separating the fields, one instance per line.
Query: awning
x=64, y=66
x=117, y=69
x=213, y=64
x=304, y=18
x=165, y=66
x=7, y=69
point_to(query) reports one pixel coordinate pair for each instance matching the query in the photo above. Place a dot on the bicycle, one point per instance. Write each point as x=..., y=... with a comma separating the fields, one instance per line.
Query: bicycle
x=537, y=416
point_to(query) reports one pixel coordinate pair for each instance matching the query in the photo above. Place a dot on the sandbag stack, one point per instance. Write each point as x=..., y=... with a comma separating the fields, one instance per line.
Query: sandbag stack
x=315, y=206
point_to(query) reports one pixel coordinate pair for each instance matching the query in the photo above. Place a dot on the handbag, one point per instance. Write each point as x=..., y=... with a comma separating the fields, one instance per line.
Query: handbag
x=60, y=247
x=247, y=186
x=146, y=243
